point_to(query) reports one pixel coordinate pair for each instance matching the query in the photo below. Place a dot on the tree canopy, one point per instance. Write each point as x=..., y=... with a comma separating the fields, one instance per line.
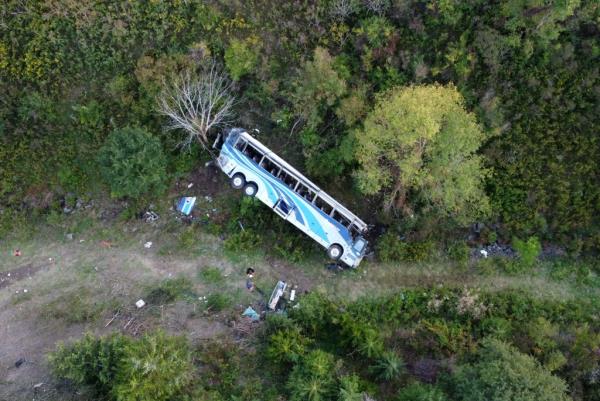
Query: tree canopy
x=418, y=145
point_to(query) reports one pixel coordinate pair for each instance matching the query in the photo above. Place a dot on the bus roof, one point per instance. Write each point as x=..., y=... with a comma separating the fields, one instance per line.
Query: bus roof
x=361, y=225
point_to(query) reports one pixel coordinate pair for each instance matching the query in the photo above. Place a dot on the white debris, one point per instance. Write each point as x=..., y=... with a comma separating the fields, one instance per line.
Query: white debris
x=292, y=295
x=148, y=245
x=191, y=184
x=81, y=240
x=484, y=253
x=25, y=291
x=140, y=303
x=36, y=386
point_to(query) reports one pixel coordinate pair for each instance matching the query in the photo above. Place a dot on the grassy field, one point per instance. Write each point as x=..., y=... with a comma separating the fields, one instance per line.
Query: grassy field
x=83, y=273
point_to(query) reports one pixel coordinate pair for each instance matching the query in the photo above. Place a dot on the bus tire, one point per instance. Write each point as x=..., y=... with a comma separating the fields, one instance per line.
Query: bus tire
x=250, y=189
x=238, y=181
x=335, y=252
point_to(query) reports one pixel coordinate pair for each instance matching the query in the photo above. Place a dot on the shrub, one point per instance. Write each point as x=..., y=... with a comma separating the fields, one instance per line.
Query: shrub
x=287, y=346
x=350, y=389
x=389, y=366
x=391, y=248
x=132, y=163
x=501, y=373
x=169, y=290
x=242, y=241
x=313, y=379
x=528, y=251
x=241, y=57
x=217, y=301
x=211, y=275
x=91, y=361
x=156, y=367
x=459, y=252
x=421, y=392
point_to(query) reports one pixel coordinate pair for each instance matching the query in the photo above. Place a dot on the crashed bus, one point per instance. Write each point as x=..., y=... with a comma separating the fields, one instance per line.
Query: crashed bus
x=260, y=173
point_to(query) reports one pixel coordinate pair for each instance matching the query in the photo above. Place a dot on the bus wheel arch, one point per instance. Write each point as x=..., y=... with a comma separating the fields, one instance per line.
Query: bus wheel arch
x=335, y=251
x=238, y=181
x=250, y=189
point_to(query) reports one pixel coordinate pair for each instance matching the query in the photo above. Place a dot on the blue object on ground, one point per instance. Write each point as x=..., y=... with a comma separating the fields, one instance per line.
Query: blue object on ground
x=186, y=204
x=251, y=313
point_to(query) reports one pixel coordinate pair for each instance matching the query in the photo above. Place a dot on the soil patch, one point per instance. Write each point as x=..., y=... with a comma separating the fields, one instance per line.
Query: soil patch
x=20, y=273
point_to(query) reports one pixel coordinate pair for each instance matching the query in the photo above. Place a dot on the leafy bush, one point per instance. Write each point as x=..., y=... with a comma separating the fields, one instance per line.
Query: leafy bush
x=211, y=275
x=528, y=251
x=169, y=290
x=287, y=346
x=501, y=373
x=132, y=163
x=156, y=367
x=313, y=379
x=91, y=361
x=350, y=389
x=241, y=57
x=243, y=241
x=391, y=248
x=421, y=392
x=389, y=366
x=217, y=301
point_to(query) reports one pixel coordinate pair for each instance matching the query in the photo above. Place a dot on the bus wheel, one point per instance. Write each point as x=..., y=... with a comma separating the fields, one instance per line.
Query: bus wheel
x=250, y=189
x=238, y=181
x=335, y=252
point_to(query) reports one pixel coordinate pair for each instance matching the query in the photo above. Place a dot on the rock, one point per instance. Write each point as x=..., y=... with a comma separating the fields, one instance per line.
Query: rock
x=67, y=210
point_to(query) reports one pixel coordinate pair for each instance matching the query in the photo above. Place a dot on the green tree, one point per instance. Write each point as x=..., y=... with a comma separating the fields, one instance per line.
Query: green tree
x=420, y=140
x=318, y=86
x=132, y=163
x=241, y=57
x=502, y=373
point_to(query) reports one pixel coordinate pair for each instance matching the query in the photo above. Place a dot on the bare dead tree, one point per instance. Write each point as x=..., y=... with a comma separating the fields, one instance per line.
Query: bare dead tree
x=378, y=7
x=197, y=103
x=342, y=9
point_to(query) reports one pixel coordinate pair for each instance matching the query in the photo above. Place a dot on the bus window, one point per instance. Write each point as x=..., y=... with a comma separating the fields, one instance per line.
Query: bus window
x=271, y=167
x=287, y=179
x=343, y=220
x=305, y=192
x=240, y=145
x=324, y=206
x=252, y=153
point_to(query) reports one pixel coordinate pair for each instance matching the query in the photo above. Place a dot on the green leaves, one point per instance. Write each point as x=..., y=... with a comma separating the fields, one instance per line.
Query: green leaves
x=420, y=141
x=132, y=163
x=502, y=373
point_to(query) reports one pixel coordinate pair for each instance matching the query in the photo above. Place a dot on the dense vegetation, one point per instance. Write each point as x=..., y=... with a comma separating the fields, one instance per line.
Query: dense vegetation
x=426, y=118
x=419, y=344
x=313, y=76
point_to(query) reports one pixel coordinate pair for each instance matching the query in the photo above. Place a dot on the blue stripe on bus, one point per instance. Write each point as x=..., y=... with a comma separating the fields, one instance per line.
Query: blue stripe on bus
x=273, y=186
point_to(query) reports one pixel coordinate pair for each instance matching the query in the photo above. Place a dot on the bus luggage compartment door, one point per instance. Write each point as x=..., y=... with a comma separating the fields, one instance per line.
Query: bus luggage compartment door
x=282, y=208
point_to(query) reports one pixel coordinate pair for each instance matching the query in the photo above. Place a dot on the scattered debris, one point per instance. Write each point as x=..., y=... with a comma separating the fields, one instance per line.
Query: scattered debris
x=25, y=290
x=293, y=294
x=484, y=253
x=37, y=386
x=186, y=204
x=191, y=184
x=81, y=241
x=20, y=362
x=106, y=244
x=140, y=303
x=17, y=252
x=150, y=216
x=208, y=198
x=70, y=236
x=276, y=295
x=208, y=163
x=252, y=314
x=148, y=245
x=111, y=320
